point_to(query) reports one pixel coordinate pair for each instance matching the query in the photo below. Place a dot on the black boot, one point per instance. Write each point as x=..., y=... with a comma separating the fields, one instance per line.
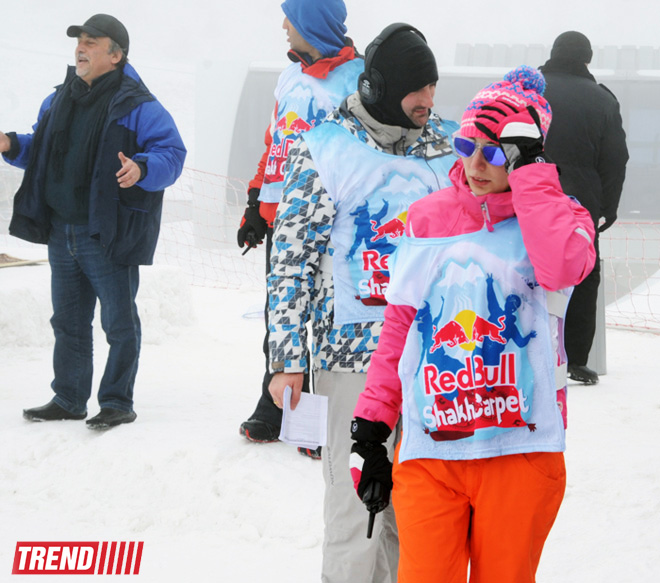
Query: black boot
x=315, y=454
x=582, y=374
x=51, y=412
x=259, y=431
x=108, y=418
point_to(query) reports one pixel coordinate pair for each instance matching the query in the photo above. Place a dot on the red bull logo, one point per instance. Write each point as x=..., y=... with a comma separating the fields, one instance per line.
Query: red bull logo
x=299, y=125
x=475, y=375
x=484, y=329
x=289, y=127
x=291, y=123
x=454, y=333
x=281, y=125
x=393, y=228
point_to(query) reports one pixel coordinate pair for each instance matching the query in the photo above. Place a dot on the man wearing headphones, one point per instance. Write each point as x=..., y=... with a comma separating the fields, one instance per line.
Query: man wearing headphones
x=348, y=184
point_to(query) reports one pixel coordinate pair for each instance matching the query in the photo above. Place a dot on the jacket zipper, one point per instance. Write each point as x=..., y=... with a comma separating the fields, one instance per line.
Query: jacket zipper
x=486, y=216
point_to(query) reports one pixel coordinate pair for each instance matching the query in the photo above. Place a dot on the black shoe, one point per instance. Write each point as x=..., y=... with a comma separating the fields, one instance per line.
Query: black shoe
x=259, y=431
x=582, y=374
x=315, y=454
x=51, y=412
x=108, y=418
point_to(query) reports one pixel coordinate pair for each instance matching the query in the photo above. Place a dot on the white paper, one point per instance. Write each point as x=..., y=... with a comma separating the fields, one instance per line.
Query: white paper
x=307, y=424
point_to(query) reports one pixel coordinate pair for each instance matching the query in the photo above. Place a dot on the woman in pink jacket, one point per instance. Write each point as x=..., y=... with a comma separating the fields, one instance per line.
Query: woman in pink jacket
x=471, y=354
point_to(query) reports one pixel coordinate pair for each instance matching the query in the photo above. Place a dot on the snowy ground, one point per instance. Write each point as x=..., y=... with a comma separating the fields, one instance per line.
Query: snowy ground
x=211, y=507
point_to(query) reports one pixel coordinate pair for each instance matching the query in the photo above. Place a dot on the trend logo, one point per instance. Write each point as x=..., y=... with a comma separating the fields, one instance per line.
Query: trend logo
x=78, y=558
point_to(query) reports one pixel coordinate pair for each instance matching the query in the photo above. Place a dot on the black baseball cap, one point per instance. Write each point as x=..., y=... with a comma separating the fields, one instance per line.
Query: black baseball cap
x=102, y=25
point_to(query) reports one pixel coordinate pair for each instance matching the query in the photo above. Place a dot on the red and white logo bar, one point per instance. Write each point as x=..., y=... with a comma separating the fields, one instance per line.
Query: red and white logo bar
x=78, y=558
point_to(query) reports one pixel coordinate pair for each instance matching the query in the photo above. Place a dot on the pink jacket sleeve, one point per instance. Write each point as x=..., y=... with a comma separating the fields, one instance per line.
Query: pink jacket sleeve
x=381, y=398
x=558, y=232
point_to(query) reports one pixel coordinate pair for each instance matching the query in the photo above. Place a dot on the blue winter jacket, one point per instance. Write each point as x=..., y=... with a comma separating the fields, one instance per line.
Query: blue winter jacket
x=125, y=220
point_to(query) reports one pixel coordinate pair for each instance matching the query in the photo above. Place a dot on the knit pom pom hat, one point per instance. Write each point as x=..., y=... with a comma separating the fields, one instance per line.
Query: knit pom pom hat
x=521, y=87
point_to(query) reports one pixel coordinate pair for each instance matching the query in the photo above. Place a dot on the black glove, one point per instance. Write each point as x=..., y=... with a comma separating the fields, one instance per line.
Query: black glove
x=253, y=226
x=518, y=132
x=609, y=221
x=371, y=469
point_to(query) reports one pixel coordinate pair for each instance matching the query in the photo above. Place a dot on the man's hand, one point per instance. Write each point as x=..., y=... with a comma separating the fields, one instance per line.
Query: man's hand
x=129, y=173
x=279, y=382
x=253, y=226
x=5, y=143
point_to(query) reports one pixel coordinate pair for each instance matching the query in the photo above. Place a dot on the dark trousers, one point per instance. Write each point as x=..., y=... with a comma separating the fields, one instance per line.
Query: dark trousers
x=81, y=274
x=580, y=325
x=266, y=409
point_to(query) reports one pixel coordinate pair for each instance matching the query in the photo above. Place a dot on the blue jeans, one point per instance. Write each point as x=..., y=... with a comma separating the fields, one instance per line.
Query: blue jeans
x=81, y=273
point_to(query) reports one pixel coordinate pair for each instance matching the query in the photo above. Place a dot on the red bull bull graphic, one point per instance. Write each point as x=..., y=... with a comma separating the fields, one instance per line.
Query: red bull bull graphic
x=484, y=329
x=452, y=333
x=393, y=228
x=299, y=125
x=293, y=124
x=286, y=131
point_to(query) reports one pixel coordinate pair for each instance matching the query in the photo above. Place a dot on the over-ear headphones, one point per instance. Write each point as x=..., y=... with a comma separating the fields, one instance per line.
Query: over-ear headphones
x=371, y=84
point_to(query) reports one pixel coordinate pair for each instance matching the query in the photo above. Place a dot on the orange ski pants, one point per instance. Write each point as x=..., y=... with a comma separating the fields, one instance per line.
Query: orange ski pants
x=493, y=514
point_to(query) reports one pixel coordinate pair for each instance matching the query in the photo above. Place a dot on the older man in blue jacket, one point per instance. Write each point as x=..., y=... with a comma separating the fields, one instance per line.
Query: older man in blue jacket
x=102, y=152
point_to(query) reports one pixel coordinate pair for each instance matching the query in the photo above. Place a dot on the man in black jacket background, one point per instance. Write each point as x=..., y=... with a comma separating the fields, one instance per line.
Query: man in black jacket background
x=587, y=141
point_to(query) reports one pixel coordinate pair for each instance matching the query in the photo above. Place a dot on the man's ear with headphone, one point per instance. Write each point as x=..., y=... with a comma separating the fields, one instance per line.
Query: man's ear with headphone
x=371, y=84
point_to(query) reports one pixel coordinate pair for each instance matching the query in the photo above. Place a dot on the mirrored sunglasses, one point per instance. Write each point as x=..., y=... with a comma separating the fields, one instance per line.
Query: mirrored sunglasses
x=466, y=147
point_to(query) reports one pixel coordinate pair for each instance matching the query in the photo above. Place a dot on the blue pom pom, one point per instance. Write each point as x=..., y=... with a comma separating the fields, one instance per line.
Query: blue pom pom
x=531, y=79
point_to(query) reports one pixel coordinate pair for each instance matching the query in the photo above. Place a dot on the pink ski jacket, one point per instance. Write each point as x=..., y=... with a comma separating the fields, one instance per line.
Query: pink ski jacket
x=558, y=235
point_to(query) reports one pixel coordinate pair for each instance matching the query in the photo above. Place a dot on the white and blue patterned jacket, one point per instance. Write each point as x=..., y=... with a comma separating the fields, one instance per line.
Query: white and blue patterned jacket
x=329, y=197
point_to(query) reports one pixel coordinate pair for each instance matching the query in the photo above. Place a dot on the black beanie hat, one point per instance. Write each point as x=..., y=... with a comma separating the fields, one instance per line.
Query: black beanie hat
x=572, y=46
x=406, y=64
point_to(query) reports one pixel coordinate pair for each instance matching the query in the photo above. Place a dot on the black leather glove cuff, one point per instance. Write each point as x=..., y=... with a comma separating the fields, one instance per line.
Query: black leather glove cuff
x=373, y=431
x=532, y=153
x=253, y=197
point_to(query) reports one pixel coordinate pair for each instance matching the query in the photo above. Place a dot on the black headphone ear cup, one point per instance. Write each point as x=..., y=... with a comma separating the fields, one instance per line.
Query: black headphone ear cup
x=366, y=89
x=378, y=85
x=371, y=87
